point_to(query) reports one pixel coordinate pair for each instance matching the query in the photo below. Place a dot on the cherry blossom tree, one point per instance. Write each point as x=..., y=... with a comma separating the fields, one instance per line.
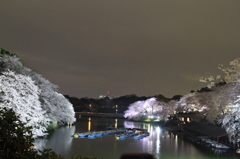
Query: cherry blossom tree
x=64, y=112
x=227, y=100
x=232, y=74
x=211, y=104
x=195, y=101
x=139, y=108
x=166, y=109
x=48, y=93
x=18, y=92
x=225, y=106
x=150, y=107
x=231, y=122
x=221, y=97
x=59, y=109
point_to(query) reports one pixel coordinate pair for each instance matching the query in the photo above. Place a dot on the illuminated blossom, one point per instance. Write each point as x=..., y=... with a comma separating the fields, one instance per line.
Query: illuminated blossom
x=19, y=93
x=150, y=107
x=56, y=107
x=232, y=74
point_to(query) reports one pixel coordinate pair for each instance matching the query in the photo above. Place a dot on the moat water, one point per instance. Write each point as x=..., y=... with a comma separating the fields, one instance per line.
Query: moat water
x=161, y=143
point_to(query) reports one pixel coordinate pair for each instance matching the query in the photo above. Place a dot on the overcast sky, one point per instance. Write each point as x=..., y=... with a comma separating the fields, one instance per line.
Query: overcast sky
x=142, y=47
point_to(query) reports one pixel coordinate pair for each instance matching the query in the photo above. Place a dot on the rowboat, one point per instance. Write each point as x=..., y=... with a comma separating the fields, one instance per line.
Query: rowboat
x=118, y=137
x=76, y=135
x=222, y=147
x=92, y=135
x=99, y=134
x=82, y=135
x=140, y=136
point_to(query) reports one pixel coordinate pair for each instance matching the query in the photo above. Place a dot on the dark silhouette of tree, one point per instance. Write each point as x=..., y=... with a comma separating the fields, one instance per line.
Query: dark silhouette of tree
x=5, y=52
x=16, y=140
x=176, y=97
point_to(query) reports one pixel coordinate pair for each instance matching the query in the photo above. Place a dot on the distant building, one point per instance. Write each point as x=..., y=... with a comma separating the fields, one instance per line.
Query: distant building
x=188, y=117
x=106, y=96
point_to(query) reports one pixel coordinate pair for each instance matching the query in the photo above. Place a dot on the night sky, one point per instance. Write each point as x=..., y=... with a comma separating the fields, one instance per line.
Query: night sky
x=142, y=47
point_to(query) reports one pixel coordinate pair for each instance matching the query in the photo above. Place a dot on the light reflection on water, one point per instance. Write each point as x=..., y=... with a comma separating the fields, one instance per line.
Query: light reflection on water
x=89, y=124
x=115, y=125
x=160, y=143
x=157, y=152
x=59, y=140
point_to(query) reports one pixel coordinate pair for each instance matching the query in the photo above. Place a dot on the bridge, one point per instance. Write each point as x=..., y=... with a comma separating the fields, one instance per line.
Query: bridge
x=93, y=114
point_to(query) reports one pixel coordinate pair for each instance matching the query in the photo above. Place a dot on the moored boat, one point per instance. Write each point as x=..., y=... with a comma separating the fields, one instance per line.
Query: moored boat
x=122, y=137
x=122, y=133
x=99, y=134
x=92, y=135
x=140, y=136
x=82, y=135
x=118, y=137
x=76, y=135
x=108, y=132
x=222, y=147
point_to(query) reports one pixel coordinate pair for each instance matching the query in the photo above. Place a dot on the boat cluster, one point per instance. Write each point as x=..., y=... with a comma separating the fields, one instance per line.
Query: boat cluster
x=121, y=133
x=214, y=144
x=97, y=133
x=137, y=136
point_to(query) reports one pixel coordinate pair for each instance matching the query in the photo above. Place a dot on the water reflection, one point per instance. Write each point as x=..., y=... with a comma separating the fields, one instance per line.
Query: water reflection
x=89, y=124
x=115, y=124
x=176, y=142
x=58, y=140
x=161, y=143
x=158, y=142
x=152, y=143
x=129, y=124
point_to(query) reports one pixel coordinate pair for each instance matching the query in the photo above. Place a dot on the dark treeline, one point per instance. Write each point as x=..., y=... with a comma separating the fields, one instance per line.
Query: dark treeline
x=111, y=105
